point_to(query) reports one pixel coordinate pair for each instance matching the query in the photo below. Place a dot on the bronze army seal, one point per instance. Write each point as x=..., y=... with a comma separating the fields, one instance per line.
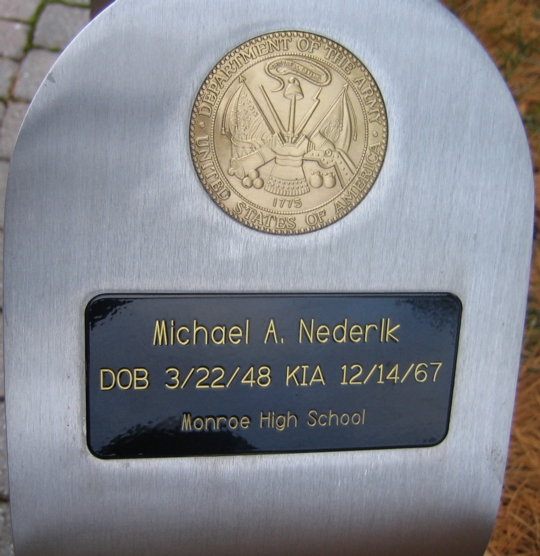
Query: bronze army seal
x=288, y=132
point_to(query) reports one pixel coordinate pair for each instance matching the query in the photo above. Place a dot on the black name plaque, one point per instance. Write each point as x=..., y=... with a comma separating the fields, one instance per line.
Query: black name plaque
x=189, y=375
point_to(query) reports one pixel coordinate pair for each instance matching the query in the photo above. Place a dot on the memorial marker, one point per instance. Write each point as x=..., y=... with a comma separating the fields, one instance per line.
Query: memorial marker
x=266, y=268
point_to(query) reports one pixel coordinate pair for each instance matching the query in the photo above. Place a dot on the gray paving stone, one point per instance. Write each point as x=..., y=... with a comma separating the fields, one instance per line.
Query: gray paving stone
x=2, y=112
x=58, y=24
x=6, y=540
x=8, y=72
x=34, y=69
x=10, y=127
x=13, y=38
x=18, y=9
x=4, y=487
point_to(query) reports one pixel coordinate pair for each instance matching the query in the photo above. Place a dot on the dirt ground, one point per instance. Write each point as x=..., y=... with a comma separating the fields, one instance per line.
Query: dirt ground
x=510, y=31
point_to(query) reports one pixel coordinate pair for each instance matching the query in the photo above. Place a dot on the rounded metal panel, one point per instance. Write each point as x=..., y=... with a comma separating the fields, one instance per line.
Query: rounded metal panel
x=103, y=197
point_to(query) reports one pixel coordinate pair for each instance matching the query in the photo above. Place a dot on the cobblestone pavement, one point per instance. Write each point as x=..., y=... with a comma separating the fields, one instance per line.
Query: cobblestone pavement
x=32, y=35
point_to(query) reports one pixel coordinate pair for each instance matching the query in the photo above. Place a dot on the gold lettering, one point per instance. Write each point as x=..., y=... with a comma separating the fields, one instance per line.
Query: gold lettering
x=331, y=419
x=141, y=379
x=355, y=333
x=375, y=116
x=330, y=52
x=198, y=423
x=235, y=335
x=245, y=422
x=124, y=386
x=339, y=207
x=160, y=333
x=203, y=142
x=264, y=418
x=313, y=416
x=438, y=366
x=317, y=376
x=175, y=378
x=102, y=379
x=368, y=328
x=196, y=330
x=219, y=419
x=367, y=92
x=304, y=371
x=273, y=46
x=359, y=81
x=389, y=331
x=210, y=97
x=179, y=335
x=186, y=422
x=343, y=328
x=372, y=157
x=205, y=110
x=248, y=54
x=271, y=331
x=292, y=375
x=322, y=334
x=223, y=337
x=371, y=102
x=348, y=67
x=281, y=422
x=220, y=79
x=208, y=420
x=290, y=417
x=308, y=333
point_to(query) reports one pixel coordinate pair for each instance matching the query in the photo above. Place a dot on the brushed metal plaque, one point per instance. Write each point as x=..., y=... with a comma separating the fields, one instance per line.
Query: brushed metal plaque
x=103, y=197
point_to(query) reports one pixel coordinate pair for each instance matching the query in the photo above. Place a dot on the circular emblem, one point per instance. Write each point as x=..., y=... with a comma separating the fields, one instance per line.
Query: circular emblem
x=288, y=132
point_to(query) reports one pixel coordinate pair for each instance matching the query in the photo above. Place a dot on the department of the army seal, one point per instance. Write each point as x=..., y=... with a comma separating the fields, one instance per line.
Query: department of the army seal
x=288, y=132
